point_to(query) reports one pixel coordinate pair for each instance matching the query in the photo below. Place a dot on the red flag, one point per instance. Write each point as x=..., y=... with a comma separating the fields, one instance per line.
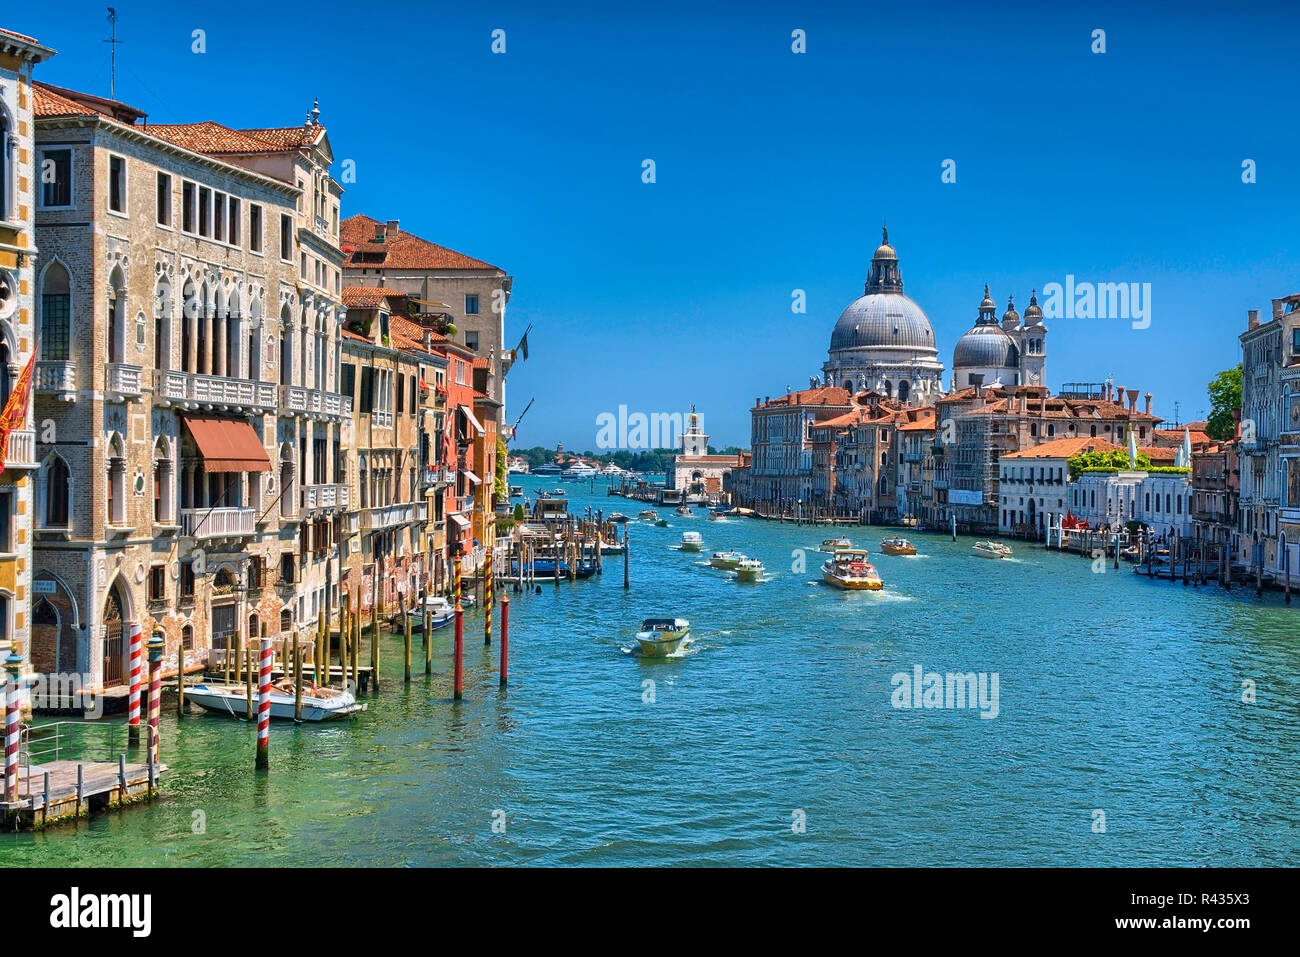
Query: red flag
x=14, y=415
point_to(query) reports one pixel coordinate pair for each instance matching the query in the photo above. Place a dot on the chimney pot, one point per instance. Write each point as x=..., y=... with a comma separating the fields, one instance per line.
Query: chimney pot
x=1278, y=306
x=390, y=228
x=1148, y=406
x=1252, y=318
x=1132, y=400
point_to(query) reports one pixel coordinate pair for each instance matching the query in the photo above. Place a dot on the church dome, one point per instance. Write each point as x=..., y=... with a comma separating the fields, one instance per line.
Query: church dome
x=985, y=347
x=883, y=321
x=1011, y=317
x=1033, y=313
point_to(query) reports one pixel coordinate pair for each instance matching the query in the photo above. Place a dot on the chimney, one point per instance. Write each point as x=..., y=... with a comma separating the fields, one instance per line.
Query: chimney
x=428, y=340
x=390, y=229
x=1278, y=307
x=1133, y=400
x=1119, y=395
x=1252, y=318
x=1148, y=408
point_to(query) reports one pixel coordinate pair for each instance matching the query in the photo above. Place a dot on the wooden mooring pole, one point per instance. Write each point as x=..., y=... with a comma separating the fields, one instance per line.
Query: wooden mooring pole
x=406, y=641
x=505, y=638
x=180, y=679
x=13, y=733
x=428, y=627
x=297, y=672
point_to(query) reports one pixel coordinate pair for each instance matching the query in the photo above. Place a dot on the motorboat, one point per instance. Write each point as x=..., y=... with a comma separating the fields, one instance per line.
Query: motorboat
x=749, y=570
x=835, y=544
x=1130, y=554
x=649, y=514
x=441, y=612
x=580, y=471
x=897, y=546
x=547, y=470
x=611, y=548
x=516, y=491
x=661, y=523
x=558, y=491
x=692, y=542
x=543, y=569
x=319, y=703
x=683, y=510
x=662, y=636
x=727, y=561
x=618, y=517
x=849, y=569
x=910, y=521
x=991, y=550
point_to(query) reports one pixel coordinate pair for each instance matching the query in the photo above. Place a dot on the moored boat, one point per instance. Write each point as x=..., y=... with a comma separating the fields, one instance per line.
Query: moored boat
x=662, y=636
x=558, y=491
x=516, y=491
x=849, y=569
x=1130, y=554
x=749, y=570
x=897, y=546
x=727, y=560
x=441, y=613
x=910, y=521
x=991, y=550
x=691, y=541
x=835, y=544
x=318, y=703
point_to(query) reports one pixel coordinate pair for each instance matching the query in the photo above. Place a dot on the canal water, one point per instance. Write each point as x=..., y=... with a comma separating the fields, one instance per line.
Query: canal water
x=1121, y=736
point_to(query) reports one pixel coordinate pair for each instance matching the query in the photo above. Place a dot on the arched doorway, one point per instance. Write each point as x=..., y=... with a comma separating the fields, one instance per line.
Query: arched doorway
x=114, y=630
x=1033, y=520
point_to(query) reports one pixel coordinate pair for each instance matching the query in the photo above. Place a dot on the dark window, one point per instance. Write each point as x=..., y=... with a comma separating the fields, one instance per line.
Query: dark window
x=158, y=583
x=286, y=568
x=232, y=228
x=187, y=579
x=187, y=207
x=205, y=214
x=56, y=494
x=56, y=178
x=367, y=398
x=117, y=184
x=401, y=393
x=348, y=380
x=412, y=406
x=286, y=237
x=255, y=227
x=164, y=200
x=6, y=521
x=187, y=637
x=471, y=305
x=55, y=307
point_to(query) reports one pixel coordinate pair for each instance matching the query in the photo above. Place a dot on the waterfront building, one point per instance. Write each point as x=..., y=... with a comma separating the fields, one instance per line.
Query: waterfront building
x=192, y=478
x=781, y=471
x=1161, y=501
x=19, y=265
x=883, y=341
x=1008, y=354
x=1288, y=526
x=1032, y=484
x=1270, y=351
x=1215, y=485
x=860, y=463
x=695, y=471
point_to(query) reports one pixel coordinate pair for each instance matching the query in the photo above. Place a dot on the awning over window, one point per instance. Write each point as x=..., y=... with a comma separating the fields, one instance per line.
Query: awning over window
x=227, y=445
x=459, y=519
x=474, y=479
x=472, y=421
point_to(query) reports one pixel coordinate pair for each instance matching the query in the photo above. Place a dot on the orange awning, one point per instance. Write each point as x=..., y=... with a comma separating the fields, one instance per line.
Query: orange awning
x=227, y=445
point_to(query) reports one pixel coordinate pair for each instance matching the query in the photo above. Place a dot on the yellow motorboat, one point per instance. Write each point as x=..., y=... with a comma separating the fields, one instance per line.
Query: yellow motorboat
x=849, y=569
x=897, y=546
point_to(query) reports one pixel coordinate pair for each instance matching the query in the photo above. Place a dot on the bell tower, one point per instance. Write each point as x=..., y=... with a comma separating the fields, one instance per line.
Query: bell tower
x=694, y=442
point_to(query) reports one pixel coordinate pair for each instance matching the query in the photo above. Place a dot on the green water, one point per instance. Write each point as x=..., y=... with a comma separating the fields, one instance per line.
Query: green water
x=1116, y=694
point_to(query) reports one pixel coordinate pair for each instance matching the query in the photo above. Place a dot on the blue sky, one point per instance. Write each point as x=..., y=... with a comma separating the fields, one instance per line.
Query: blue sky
x=774, y=170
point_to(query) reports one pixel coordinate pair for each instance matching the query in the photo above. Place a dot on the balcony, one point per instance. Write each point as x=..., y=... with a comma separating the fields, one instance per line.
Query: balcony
x=190, y=390
x=382, y=418
x=21, y=453
x=314, y=402
x=388, y=516
x=203, y=523
x=325, y=496
x=122, y=382
x=59, y=378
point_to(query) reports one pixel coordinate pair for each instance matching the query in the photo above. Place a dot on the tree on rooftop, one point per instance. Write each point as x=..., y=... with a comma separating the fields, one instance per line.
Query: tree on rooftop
x=1225, y=399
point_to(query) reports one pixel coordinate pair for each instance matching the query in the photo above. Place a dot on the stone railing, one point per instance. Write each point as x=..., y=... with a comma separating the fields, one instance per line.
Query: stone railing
x=315, y=402
x=193, y=389
x=218, y=522
x=123, y=381
x=387, y=516
x=21, y=453
x=56, y=376
x=325, y=496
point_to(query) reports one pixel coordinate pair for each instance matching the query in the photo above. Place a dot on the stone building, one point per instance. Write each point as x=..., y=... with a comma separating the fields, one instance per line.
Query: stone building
x=1033, y=484
x=20, y=182
x=1010, y=354
x=696, y=472
x=883, y=341
x=193, y=477
x=780, y=475
x=1216, y=479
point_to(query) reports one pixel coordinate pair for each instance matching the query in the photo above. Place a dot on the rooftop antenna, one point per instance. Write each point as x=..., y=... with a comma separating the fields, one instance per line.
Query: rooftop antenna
x=1177, y=406
x=113, y=41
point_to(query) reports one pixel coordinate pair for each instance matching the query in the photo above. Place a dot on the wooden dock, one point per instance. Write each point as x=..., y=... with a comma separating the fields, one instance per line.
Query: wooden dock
x=64, y=789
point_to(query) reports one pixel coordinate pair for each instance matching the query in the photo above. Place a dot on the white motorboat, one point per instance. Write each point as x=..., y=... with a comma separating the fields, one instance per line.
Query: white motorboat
x=662, y=636
x=648, y=514
x=580, y=471
x=991, y=550
x=441, y=612
x=849, y=569
x=749, y=570
x=728, y=560
x=683, y=510
x=318, y=703
x=611, y=548
x=834, y=544
x=692, y=542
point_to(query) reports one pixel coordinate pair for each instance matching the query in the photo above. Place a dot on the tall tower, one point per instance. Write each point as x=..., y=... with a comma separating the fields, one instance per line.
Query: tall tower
x=694, y=442
x=1033, y=344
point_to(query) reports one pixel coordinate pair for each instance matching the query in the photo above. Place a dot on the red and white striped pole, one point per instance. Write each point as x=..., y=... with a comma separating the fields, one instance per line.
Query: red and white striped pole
x=14, y=665
x=136, y=640
x=156, y=646
x=264, y=706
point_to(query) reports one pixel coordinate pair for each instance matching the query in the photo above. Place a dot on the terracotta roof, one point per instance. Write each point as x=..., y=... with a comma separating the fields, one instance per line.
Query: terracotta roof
x=286, y=137
x=410, y=335
x=921, y=423
x=45, y=102
x=1159, y=455
x=214, y=138
x=824, y=395
x=1063, y=449
x=842, y=421
x=19, y=36
x=367, y=297
x=400, y=250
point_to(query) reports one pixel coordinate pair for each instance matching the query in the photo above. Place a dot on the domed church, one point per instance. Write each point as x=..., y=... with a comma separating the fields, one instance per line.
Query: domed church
x=883, y=341
x=1012, y=353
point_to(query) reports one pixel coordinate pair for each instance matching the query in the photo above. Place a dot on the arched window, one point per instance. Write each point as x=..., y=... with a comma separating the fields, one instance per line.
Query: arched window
x=116, y=317
x=164, y=485
x=904, y=390
x=286, y=620
x=187, y=637
x=56, y=313
x=162, y=326
x=6, y=377
x=56, y=492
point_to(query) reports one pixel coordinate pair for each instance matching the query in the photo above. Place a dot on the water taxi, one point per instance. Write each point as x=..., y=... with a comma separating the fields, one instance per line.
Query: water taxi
x=749, y=570
x=618, y=517
x=662, y=636
x=691, y=541
x=516, y=491
x=848, y=568
x=991, y=550
x=910, y=521
x=835, y=544
x=683, y=510
x=727, y=560
x=318, y=702
x=559, y=491
x=649, y=514
x=897, y=546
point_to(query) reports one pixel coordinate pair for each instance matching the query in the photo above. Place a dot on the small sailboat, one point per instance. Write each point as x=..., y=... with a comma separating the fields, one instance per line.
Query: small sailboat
x=749, y=570
x=849, y=569
x=991, y=550
x=897, y=546
x=728, y=560
x=662, y=636
x=319, y=703
x=835, y=544
x=692, y=542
